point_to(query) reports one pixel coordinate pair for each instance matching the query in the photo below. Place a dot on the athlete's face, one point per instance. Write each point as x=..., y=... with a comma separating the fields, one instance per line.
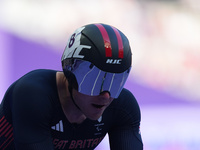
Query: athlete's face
x=92, y=106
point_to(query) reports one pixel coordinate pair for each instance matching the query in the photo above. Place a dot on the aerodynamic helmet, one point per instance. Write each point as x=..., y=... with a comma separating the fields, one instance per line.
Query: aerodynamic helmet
x=97, y=58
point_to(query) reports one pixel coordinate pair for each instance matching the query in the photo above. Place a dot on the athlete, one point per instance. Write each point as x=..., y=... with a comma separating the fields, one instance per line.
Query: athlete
x=76, y=107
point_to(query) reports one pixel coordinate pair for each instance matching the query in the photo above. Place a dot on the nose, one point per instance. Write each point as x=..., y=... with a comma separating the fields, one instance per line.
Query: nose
x=105, y=94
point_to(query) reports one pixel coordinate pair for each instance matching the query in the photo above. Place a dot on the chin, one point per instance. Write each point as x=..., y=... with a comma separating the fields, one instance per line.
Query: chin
x=96, y=117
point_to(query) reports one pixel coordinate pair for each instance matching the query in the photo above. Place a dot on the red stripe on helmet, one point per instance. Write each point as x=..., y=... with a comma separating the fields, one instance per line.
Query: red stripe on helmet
x=106, y=39
x=120, y=43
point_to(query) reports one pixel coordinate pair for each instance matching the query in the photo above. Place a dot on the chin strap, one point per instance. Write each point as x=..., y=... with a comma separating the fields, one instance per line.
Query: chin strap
x=70, y=91
x=71, y=81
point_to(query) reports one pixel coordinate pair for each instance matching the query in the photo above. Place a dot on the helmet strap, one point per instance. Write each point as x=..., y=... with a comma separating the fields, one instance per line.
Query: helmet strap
x=70, y=91
x=72, y=84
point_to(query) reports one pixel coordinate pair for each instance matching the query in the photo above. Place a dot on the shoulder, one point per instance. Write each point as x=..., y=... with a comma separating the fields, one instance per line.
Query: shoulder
x=33, y=95
x=125, y=93
x=36, y=79
x=125, y=108
x=35, y=89
x=125, y=100
x=39, y=74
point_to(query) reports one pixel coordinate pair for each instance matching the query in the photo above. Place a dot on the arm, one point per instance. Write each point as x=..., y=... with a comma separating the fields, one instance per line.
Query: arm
x=125, y=134
x=30, y=120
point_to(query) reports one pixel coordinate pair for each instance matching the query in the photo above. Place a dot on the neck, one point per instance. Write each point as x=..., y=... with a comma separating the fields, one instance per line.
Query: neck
x=71, y=111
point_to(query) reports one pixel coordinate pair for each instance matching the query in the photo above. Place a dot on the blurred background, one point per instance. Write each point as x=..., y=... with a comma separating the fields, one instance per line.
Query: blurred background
x=165, y=40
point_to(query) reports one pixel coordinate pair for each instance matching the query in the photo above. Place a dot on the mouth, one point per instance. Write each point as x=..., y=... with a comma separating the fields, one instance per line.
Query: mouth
x=98, y=106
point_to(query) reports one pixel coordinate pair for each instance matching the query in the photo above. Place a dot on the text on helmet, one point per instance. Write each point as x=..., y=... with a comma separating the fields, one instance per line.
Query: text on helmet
x=113, y=61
